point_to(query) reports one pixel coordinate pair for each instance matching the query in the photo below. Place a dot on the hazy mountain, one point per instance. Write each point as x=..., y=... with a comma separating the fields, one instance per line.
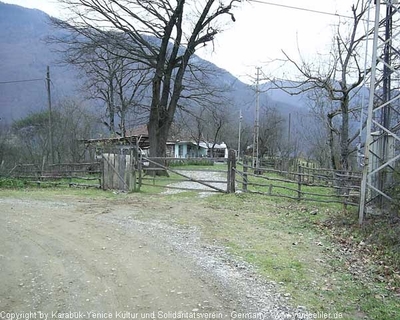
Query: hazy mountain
x=24, y=55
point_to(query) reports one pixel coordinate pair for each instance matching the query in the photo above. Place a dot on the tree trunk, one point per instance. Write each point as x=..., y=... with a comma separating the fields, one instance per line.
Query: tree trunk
x=331, y=143
x=111, y=106
x=158, y=136
x=344, y=135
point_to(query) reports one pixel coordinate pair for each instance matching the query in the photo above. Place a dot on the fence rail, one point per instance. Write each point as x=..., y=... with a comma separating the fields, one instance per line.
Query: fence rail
x=87, y=175
x=129, y=171
x=304, y=184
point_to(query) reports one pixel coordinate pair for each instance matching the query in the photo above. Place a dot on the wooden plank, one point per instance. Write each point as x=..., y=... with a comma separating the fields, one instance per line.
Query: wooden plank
x=115, y=171
x=303, y=199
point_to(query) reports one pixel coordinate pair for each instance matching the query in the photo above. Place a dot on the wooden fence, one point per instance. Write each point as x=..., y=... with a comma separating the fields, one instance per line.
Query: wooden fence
x=305, y=184
x=61, y=174
x=130, y=171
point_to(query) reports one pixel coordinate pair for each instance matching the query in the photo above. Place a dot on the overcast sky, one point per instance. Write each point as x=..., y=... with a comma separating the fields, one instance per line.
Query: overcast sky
x=261, y=32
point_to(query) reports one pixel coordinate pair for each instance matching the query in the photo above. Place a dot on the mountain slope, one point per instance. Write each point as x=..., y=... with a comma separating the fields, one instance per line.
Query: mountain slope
x=24, y=55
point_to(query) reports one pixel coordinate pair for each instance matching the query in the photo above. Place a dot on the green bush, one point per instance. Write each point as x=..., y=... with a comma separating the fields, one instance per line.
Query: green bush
x=11, y=183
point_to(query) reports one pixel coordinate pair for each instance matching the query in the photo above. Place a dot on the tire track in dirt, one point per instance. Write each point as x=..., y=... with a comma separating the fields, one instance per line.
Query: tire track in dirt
x=55, y=258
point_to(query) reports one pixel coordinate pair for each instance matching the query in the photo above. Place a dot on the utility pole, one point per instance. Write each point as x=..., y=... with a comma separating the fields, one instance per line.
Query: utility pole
x=289, y=129
x=240, y=131
x=50, y=115
x=257, y=122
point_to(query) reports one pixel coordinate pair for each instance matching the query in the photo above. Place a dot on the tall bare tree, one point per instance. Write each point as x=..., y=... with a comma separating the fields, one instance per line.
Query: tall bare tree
x=71, y=122
x=271, y=136
x=338, y=78
x=321, y=129
x=109, y=77
x=217, y=120
x=162, y=35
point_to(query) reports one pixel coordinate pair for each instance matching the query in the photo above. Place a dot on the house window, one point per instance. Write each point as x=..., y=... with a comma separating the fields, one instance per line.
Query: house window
x=180, y=151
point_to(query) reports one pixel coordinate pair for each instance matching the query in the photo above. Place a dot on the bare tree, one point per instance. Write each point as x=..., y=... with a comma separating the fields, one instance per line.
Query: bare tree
x=206, y=107
x=8, y=149
x=131, y=88
x=270, y=132
x=73, y=123
x=32, y=136
x=217, y=119
x=70, y=123
x=193, y=126
x=162, y=35
x=338, y=78
x=111, y=78
x=321, y=129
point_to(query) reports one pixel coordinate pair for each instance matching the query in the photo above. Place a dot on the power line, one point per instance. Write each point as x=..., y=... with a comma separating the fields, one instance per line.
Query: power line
x=21, y=81
x=302, y=9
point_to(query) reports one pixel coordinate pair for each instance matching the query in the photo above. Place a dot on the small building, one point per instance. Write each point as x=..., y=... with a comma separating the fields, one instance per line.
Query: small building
x=186, y=149
x=216, y=150
x=180, y=145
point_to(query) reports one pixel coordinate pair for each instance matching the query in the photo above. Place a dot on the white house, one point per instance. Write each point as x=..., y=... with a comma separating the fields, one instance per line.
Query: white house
x=190, y=149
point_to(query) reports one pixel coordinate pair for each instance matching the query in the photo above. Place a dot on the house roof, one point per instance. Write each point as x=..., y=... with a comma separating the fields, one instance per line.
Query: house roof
x=221, y=145
x=138, y=131
x=140, y=134
x=131, y=140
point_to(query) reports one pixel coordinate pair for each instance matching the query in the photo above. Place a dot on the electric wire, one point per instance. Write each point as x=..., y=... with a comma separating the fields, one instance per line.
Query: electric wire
x=21, y=81
x=303, y=9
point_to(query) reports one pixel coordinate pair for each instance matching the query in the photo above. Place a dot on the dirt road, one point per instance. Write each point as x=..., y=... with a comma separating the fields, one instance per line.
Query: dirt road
x=66, y=258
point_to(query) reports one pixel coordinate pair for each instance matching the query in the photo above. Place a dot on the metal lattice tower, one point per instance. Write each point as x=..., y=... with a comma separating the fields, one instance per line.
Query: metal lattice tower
x=381, y=153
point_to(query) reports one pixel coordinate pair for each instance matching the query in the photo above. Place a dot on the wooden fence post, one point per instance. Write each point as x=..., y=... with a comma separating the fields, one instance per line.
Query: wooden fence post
x=231, y=180
x=299, y=183
x=270, y=189
x=132, y=174
x=139, y=167
x=346, y=192
x=245, y=164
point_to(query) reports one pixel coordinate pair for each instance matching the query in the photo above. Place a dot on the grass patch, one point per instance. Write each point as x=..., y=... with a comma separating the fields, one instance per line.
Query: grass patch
x=11, y=183
x=287, y=186
x=281, y=240
x=51, y=193
x=60, y=182
x=191, y=162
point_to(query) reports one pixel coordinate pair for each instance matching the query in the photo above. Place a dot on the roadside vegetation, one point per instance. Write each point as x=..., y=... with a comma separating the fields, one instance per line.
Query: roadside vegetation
x=307, y=249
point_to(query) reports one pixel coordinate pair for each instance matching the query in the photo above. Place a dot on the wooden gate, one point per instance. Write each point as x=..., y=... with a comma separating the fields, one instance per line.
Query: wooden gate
x=189, y=174
x=126, y=169
x=118, y=168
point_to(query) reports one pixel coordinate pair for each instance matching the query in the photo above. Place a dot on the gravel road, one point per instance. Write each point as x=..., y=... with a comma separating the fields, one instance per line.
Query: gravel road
x=202, y=189
x=69, y=257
